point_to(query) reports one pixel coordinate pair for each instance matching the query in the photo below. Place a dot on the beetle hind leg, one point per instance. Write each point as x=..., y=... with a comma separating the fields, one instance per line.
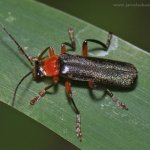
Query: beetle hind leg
x=117, y=101
x=93, y=85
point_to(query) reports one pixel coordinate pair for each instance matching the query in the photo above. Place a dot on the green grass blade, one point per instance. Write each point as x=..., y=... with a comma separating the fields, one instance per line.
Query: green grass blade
x=104, y=125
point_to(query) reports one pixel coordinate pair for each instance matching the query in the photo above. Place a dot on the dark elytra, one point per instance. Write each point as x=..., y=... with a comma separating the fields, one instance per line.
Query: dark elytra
x=101, y=71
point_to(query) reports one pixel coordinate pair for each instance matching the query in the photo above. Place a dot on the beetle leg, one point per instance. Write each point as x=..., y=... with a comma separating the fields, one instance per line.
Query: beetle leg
x=51, y=52
x=41, y=94
x=72, y=45
x=92, y=84
x=71, y=36
x=120, y=104
x=109, y=39
x=63, y=48
x=78, y=118
x=84, y=49
x=104, y=46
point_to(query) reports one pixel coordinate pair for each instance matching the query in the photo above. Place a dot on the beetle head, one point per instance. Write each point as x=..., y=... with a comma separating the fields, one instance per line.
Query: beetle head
x=36, y=71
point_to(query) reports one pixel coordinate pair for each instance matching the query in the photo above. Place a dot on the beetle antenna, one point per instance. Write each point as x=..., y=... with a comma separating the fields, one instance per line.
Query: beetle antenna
x=14, y=96
x=19, y=46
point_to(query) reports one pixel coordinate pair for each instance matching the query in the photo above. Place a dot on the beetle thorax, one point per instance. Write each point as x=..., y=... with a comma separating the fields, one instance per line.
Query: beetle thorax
x=50, y=66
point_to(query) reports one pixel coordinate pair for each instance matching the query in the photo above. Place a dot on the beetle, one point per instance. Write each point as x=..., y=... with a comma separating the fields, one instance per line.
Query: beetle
x=95, y=71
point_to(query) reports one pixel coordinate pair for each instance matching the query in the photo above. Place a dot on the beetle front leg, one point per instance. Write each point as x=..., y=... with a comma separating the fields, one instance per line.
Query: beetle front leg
x=41, y=94
x=78, y=117
x=49, y=49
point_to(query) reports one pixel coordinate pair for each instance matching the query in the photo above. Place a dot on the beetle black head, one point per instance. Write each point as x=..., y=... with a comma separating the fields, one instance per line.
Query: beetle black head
x=37, y=72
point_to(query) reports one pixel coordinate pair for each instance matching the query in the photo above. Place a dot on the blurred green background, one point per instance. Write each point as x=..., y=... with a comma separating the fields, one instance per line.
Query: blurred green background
x=128, y=22
x=19, y=132
x=128, y=19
